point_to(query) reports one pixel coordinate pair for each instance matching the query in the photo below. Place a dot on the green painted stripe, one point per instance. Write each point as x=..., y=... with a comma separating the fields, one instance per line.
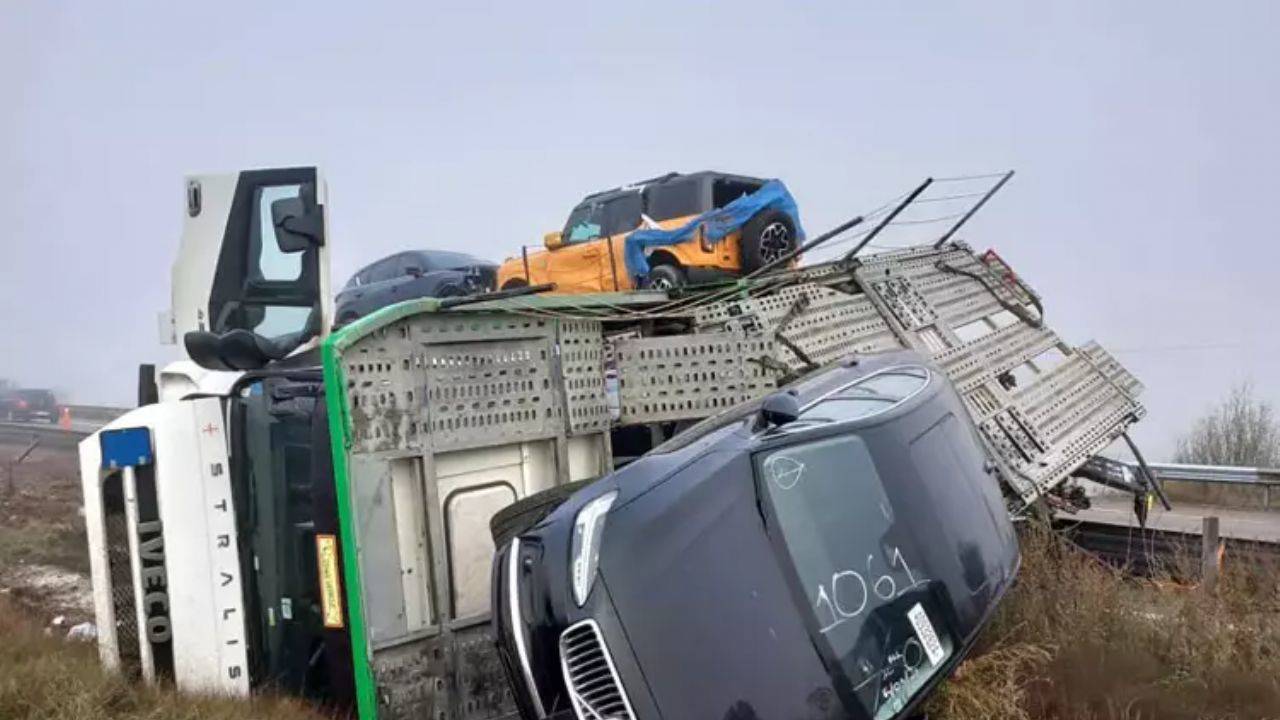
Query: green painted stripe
x=339, y=435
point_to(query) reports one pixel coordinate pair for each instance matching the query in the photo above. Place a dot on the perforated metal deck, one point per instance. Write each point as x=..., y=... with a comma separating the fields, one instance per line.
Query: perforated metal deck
x=459, y=379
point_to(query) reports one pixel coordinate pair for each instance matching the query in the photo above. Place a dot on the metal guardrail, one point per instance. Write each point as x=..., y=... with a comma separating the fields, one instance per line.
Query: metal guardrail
x=50, y=435
x=100, y=413
x=1265, y=478
x=1225, y=474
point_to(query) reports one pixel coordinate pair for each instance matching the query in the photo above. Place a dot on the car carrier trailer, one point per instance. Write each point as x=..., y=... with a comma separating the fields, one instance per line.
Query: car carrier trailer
x=309, y=511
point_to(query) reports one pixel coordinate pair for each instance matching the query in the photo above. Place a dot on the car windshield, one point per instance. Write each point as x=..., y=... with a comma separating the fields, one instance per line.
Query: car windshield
x=885, y=539
x=583, y=223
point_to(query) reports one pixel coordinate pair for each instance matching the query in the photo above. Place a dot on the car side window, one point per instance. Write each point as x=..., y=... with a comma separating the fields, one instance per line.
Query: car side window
x=385, y=269
x=679, y=198
x=871, y=395
x=621, y=214
x=410, y=264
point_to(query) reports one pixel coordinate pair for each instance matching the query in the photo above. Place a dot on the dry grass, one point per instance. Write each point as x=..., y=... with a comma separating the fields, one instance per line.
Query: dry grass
x=62, y=545
x=48, y=678
x=1077, y=640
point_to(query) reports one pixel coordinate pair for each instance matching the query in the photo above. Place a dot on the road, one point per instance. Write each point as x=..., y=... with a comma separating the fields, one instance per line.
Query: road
x=1117, y=510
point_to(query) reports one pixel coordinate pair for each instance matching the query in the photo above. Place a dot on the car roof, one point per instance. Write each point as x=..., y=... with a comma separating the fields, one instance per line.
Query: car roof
x=708, y=435
x=419, y=251
x=669, y=177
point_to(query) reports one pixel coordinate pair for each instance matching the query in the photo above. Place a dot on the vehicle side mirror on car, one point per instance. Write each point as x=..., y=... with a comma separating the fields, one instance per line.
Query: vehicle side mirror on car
x=779, y=409
x=553, y=240
x=413, y=272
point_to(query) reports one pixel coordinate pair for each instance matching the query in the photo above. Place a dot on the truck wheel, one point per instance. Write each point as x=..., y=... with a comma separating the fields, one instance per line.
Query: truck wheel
x=666, y=277
x=514, y=283
x=526, y=512
x=767, y=236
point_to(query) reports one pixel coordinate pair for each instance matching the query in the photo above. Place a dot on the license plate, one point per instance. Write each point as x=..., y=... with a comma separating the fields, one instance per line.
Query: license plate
x=925, y=632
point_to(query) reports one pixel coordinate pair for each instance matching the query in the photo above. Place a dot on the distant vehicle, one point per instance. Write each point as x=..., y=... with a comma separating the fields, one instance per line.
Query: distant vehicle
x=28, y=405
x=827, y=553
x=663, y=233
x=413, y=274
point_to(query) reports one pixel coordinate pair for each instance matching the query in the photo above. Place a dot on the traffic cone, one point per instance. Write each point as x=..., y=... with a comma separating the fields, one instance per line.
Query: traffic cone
x=64, y=418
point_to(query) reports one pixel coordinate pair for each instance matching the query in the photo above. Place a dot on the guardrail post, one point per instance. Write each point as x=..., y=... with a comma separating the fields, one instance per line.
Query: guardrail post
x=15, y=461
x=1210, y=553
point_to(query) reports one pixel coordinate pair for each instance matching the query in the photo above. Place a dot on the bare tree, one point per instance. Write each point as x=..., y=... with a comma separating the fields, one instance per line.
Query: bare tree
x=1240, y=431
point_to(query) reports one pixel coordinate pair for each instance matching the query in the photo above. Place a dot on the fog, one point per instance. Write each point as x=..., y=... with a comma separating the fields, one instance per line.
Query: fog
x=1144, y=136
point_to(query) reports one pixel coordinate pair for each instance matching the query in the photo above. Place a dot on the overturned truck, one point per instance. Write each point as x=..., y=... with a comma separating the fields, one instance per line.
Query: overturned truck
x=790, y=493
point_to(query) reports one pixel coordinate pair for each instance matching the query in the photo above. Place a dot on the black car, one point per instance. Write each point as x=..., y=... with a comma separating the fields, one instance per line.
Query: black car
x=28, y=405
x=413, y=274
x=828, y=552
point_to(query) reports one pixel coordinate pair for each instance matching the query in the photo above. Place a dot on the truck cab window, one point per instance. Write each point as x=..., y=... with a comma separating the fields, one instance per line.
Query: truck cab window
x=272, y=263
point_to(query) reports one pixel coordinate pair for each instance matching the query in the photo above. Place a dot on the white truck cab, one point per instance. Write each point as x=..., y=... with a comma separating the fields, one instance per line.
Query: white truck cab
x=250, y=286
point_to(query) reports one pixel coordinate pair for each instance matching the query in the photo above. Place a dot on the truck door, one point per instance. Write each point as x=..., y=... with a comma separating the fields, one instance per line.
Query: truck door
x=251, y=281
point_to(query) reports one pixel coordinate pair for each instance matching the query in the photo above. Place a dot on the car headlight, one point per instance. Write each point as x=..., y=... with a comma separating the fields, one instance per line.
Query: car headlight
x=584, y=552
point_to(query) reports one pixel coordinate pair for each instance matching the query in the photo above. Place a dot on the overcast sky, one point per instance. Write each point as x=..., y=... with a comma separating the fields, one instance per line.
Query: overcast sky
x=1144, y=136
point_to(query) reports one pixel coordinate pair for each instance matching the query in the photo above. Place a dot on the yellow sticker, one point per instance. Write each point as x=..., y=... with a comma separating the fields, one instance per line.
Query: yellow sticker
x=330, y=584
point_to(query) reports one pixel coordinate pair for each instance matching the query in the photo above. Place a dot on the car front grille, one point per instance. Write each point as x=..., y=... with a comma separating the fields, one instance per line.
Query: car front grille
x=589, y=674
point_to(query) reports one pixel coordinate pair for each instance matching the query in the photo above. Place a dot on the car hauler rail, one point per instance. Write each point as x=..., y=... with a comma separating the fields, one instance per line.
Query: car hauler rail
x=310, y=510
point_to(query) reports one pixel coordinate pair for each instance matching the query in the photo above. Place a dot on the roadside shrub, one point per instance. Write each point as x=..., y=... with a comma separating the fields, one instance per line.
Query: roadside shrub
x=1079, y=640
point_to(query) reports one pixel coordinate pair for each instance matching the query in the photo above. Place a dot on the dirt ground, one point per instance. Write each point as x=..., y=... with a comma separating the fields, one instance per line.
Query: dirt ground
x=44, y=563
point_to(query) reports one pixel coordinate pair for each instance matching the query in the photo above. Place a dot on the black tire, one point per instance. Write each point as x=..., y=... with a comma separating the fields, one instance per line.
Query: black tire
x=768, y=235
x=666, y=277
x=524, y=513
x=514, y=283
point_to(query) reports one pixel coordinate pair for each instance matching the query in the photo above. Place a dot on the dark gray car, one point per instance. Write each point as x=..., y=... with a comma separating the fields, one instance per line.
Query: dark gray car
x=833, y=560
x=413, y=274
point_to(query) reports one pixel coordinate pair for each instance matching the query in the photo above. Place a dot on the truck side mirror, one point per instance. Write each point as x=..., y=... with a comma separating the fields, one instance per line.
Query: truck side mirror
x=553, y=240
x=779, y=409
x=298, y=221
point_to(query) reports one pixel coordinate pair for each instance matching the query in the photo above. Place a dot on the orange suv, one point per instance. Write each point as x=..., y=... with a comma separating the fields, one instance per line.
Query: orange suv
x=663, y=233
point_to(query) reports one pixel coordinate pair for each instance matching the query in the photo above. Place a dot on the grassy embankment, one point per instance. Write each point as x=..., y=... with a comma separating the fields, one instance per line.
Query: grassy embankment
x=1077, y=640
